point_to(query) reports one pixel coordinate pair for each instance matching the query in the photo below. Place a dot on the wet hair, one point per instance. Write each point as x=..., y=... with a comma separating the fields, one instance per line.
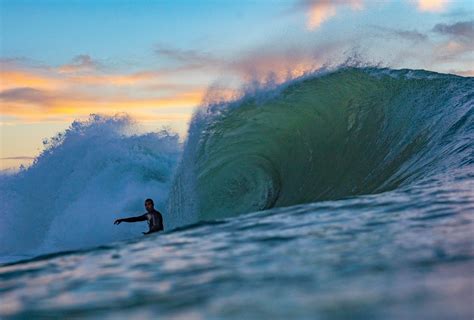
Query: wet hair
x=150, y=200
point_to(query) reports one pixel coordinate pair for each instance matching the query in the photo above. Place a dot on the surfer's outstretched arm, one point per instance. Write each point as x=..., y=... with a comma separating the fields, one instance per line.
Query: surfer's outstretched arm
x=132, y=219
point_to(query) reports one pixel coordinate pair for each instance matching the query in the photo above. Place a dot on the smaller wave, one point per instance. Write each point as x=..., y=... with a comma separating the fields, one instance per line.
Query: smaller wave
x=88, y=175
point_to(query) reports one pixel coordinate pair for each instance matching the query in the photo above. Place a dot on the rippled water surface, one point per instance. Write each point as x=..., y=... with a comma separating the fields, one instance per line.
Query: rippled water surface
x=404, y=254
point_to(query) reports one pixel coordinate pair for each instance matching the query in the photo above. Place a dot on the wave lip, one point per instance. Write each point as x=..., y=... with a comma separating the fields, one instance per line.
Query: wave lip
x=350, y=132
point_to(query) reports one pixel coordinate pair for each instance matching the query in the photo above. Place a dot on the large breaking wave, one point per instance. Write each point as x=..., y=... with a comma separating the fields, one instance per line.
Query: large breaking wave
x=324, y=136
x=350, y=132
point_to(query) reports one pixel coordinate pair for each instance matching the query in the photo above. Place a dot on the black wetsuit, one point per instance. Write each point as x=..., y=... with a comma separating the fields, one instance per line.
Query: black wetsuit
x=155, y=220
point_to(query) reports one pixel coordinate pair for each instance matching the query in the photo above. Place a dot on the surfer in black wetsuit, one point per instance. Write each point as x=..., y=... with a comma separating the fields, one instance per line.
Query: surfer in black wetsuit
x=154, y=218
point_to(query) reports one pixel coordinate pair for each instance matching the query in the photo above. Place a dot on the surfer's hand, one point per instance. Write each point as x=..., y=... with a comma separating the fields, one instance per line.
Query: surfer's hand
x=118, y=221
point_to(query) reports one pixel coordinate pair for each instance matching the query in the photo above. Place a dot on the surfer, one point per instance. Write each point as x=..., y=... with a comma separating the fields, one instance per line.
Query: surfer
x=153, y=216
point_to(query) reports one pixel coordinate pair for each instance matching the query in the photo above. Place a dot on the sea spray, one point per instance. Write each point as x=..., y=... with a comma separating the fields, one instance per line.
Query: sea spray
x=89, y=175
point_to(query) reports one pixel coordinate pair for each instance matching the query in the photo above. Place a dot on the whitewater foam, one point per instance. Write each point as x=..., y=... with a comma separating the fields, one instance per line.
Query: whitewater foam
x=89, y=175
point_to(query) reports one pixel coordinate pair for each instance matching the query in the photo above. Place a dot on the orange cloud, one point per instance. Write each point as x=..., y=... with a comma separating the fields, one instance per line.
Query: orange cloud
x=319, y=14
x=114, y=80
x=19, y=78
x=432, y=5
x=40, y=93
x=320, y=11
x=68, y=105
x=10, y=79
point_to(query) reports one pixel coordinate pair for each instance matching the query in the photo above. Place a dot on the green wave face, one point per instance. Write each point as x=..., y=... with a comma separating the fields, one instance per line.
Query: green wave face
x=354, y=131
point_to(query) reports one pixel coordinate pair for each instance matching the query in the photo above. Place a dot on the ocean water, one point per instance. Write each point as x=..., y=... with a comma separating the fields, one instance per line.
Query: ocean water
x=343, y=194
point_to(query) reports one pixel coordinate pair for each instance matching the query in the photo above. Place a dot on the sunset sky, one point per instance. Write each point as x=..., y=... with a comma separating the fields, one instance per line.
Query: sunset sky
x=155, y=60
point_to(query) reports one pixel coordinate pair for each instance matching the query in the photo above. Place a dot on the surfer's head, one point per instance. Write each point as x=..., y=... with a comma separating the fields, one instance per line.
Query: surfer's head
x=149, y=205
